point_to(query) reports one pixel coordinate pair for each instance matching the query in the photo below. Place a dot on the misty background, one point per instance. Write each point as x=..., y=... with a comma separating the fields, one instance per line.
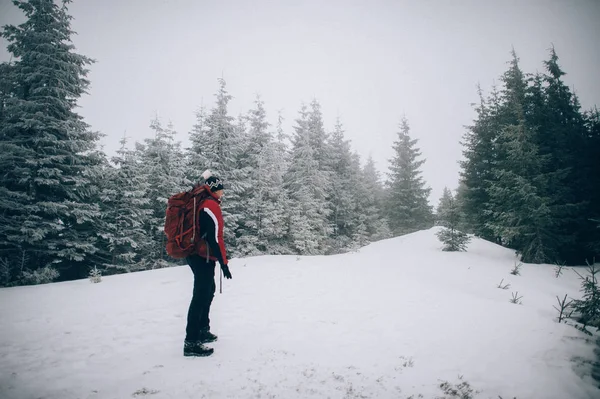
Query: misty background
x=369, y=63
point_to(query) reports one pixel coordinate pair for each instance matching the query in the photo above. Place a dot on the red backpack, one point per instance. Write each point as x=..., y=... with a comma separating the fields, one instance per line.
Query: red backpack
x=181, y=222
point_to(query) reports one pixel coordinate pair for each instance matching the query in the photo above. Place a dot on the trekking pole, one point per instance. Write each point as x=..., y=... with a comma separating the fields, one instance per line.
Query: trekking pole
x=220, y=280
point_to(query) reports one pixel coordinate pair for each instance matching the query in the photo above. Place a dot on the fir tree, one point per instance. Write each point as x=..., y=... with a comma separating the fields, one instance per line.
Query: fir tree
x=449, y=216
x=445, y=202
x=341, y=196
x=263, y=225
x=477, y=166
x=163, y=164
x=306, y=187
x=377, y=224
x=519, y=211
x=562, y=138
x=49, y=153
x=408, y=206
x=125, y=207
x=220, y=151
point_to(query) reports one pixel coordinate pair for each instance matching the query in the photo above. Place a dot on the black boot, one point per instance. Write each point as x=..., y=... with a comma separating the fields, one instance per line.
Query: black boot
x=206, y=336
x=195, y=348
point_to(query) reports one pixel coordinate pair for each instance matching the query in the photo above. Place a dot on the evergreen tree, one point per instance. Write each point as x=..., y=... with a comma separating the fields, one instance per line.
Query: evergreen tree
x=408, y=206
x=163, y=164
x=263, y=225
x=449, y=216
x=445, y=202
x=519, y=211
x=194, y=154
x=125, y=206
x=562, y=139
x=341, y=195
x=376, y=223
x=361, y=208
x=477, y=166
x=306, y=187
x=220, y=151
x=592, y=168
x=49, y=153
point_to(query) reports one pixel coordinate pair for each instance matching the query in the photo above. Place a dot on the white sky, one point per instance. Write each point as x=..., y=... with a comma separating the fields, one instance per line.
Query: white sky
x=369, y=62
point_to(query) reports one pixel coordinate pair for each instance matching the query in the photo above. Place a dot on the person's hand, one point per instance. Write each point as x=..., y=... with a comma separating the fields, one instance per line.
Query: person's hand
x=226, y=271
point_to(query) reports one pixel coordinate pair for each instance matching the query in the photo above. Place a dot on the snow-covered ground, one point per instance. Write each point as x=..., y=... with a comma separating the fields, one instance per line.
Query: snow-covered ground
x=390, y=321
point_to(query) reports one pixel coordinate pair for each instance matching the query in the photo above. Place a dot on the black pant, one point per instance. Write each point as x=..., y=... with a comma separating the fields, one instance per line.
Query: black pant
x=204, y=292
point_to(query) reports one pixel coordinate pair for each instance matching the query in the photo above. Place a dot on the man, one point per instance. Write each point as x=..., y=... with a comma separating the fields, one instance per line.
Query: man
x=202, y=263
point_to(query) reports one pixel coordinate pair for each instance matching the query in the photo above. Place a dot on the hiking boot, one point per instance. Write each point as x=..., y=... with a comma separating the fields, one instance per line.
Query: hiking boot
x=191, y=348
x=206, y=336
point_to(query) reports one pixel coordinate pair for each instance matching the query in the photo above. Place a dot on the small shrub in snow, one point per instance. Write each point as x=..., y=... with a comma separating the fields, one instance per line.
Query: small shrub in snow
x=516, y=299
x=144, y=391
x=505, y=286
x=453, y=239
x=95, y=275
x=563, y=308
x=587, y=309
x=516, y=271
x=44, y=275
x=460, y=390
x=558, y=270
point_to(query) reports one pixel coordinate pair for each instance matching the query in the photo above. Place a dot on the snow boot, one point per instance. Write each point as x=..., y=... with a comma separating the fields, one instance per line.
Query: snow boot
x=206, y=336
x=195, y=348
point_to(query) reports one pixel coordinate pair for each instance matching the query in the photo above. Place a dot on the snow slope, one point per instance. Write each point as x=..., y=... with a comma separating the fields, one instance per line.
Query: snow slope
x=390, y=321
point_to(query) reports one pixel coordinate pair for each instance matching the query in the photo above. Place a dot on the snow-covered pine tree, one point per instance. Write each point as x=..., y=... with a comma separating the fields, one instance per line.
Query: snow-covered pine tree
x=519, y=211
x=306, y=187
x=125, y=207
x=360, y=205
x=277, y=220
x=256, y=157
x=591, y=154
x=477, y=166
x=218, y=145
x=408, y=206
x=449, y=216
x=562, y=137
x=48, y=152
x=377, y=223
x=341, y=191
x=445, y=202
x=195, y=164
x=163, y=164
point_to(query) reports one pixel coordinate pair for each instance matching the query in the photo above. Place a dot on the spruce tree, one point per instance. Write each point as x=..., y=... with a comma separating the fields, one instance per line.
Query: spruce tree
x=163, y=167
x=450, y=217
x=377, y=223
x=306, y=187
x=445, y=202
x=125, y=206
x=408, y=206
x=341, y=195
x=263, y=224
x=477, y=166
x=49, y=153
x=519, y=210
x=220, y=151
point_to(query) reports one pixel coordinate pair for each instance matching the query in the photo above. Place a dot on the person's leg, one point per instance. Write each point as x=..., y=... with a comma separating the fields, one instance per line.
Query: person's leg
x=196, y=304
x=192, y=345
x=208, y=276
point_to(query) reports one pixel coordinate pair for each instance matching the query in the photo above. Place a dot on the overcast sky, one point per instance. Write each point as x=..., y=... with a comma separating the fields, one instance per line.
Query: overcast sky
x=368, y=62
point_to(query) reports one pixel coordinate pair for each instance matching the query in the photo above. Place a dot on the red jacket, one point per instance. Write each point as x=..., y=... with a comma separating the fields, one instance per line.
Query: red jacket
x=212, y=245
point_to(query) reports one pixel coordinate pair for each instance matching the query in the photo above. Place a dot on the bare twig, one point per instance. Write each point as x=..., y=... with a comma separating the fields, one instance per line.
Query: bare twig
x=564, y=305
x=505, y=286
x=516, y=298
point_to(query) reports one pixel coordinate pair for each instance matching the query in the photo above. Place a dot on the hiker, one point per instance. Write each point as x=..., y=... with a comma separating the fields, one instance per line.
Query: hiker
x=202, y=263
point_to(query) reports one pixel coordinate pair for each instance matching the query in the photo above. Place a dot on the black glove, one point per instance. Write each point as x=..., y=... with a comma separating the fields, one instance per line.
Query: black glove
x=226, y=271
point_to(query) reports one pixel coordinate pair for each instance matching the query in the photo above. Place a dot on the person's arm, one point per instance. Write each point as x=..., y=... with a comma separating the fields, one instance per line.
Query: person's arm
x=211, y=222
